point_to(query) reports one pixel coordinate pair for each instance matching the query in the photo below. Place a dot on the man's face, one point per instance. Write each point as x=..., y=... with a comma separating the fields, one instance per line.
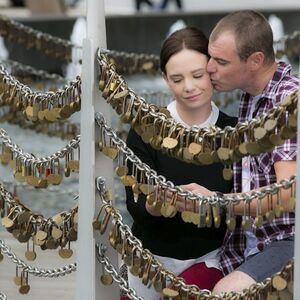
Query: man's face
x=227, y=71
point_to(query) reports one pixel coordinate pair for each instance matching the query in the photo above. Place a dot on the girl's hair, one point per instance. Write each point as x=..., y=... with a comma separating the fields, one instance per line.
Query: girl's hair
x=186, y=38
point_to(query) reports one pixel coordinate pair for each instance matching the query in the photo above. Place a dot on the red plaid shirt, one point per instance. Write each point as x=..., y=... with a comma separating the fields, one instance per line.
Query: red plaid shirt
x=262, y=171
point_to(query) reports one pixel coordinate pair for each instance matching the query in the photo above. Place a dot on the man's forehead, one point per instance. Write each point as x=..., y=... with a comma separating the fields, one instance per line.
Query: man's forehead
x=223, y=43
x=224, y=37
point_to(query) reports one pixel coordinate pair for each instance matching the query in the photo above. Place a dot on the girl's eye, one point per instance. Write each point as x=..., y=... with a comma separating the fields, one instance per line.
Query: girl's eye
x=198, y=76
x=176, y=80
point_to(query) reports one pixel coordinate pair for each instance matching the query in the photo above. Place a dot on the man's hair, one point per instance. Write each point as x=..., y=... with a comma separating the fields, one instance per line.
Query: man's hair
x=252, y=33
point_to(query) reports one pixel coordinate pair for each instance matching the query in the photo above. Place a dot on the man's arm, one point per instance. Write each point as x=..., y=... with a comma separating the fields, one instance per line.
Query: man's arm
x=283, y=170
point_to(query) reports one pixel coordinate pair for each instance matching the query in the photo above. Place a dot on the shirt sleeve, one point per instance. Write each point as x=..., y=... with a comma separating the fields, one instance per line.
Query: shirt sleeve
x=147, y=155
x=288, y=150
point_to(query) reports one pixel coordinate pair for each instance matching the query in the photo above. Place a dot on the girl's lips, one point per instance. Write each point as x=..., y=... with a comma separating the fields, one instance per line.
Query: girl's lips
x=192, y=97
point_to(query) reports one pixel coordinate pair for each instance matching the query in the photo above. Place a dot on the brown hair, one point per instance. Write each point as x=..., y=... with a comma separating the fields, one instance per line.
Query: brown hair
x=187, y=38
x=252, y=33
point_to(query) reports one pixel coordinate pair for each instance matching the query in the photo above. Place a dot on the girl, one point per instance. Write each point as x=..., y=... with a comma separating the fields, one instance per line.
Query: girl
x=183, y=248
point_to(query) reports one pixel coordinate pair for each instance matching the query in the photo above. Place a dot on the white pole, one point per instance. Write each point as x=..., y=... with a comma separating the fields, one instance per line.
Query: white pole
x=297, y=222
x=92, y=164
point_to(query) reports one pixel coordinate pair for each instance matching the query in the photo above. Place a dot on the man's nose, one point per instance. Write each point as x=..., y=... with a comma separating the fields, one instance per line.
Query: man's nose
x=211, y=66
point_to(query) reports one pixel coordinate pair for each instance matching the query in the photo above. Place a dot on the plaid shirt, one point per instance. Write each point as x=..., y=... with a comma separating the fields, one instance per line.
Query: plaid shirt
x=262, y=171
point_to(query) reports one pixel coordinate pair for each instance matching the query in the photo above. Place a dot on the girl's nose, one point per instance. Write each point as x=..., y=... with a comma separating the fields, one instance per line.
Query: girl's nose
x=188, y=85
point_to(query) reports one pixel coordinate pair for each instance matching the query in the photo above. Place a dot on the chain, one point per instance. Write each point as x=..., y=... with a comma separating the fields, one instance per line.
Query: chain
x=31, y=38
x=253, y=291
x=39, y=272
x=17, y=67
x=154, y=111
x=161, y=180
x=15, y=204
x=112, y=83
x=26, y=157
x=131, y=63
x=63, y=129
x=126, y=62
x=123, y=284
x=27, y=94
x=3, y=296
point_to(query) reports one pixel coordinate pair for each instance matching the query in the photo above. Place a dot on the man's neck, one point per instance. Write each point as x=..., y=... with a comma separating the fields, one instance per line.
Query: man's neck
x=261, y=79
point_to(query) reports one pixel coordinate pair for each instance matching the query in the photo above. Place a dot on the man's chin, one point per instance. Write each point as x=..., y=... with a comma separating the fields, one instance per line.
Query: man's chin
x=221, y=88
x=217, y=87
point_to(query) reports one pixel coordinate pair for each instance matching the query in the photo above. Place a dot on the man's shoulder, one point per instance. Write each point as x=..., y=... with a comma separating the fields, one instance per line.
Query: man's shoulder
x=287, y=80
x=283, y=83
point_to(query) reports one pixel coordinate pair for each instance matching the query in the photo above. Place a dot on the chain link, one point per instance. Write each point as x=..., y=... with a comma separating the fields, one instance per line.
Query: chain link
x=32, y=38
x=29, y=158
x=161, y=180
x=162, y=121
x=177, y=282
x=39, y=272
x=3, y=296
x=123, y=284
x=26, y=93
x=19, y=67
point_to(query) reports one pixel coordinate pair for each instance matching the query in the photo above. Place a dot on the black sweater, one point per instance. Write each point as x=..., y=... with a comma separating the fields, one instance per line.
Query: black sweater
x=172, y=237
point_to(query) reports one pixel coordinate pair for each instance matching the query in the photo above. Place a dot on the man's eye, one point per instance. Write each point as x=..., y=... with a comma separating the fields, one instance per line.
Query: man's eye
x=222, y=62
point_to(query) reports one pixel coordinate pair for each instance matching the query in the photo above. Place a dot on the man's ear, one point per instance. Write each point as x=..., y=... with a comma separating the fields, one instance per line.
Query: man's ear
x=256, y=60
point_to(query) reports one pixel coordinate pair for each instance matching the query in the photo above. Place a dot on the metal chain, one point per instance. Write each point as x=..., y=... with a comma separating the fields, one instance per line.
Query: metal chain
x=63, y=129
x=39, y=272
x=19, y=67
x=13, y=29
x=176, y=281
x=153, y=111
x=3, y=296
x=133, y=61
x=32, y=38
x=26, y=93
x=154, y=114
x=161, y=180
x=27, y=157
x=37, y=218
x=123, y=284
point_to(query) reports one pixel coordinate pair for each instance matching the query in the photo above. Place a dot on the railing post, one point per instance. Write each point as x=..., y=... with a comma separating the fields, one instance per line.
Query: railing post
x=92, y=165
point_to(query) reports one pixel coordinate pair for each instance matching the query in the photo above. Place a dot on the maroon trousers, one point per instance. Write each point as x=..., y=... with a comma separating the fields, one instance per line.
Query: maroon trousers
x=200, y=275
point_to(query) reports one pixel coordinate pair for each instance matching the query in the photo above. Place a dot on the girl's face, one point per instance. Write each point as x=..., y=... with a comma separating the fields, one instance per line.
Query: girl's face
x=188, y=80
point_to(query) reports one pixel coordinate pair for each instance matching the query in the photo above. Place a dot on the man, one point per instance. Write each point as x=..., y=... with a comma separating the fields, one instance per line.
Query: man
x=242, y=57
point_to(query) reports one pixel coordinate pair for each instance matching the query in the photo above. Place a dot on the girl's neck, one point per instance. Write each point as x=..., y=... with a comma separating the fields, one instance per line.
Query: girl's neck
x=194, y=116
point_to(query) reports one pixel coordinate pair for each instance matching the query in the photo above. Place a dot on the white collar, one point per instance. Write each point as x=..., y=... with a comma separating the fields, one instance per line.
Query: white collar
x=211, y=120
